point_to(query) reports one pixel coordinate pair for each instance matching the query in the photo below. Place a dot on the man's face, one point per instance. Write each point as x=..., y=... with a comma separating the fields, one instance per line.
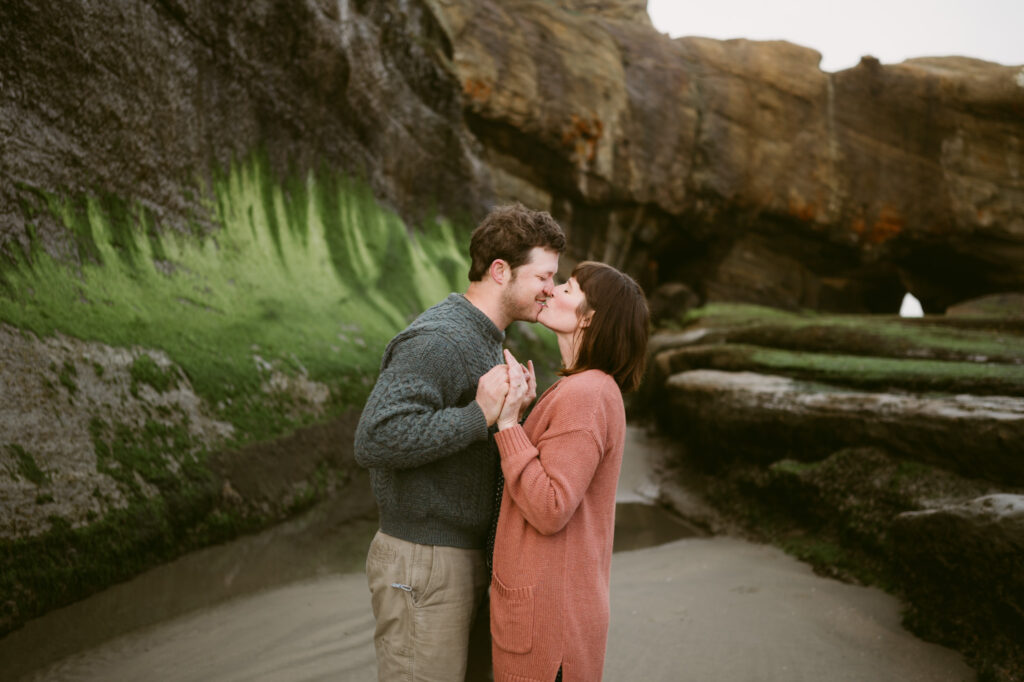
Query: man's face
x=531, y=285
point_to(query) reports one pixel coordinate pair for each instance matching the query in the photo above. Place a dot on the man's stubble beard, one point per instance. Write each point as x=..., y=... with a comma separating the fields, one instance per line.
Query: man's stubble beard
x=514, y=310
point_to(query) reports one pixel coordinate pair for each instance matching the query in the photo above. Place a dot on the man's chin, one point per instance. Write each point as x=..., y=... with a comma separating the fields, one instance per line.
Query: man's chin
x=530, y=314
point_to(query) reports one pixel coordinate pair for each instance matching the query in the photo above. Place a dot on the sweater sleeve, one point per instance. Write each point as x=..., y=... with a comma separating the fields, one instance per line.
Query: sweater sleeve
x=547, y=482
x=409, y=419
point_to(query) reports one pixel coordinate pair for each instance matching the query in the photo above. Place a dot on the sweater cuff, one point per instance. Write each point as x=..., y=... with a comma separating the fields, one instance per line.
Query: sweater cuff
x=513, y=440
x=474, y=419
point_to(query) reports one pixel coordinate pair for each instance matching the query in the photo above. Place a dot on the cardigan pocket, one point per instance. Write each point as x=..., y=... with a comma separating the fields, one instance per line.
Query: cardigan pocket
x=511, y=617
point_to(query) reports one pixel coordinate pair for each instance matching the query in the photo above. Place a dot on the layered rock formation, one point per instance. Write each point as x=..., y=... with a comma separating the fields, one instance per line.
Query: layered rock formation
x=741, y=168
x=879, y=449
x=738, y=167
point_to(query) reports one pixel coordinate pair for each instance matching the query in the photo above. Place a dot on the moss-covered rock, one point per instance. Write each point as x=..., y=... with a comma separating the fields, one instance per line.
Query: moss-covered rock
x=963, y=568
x=978, y=339
x=166, y=390
x=858, y=371
x=859, y=444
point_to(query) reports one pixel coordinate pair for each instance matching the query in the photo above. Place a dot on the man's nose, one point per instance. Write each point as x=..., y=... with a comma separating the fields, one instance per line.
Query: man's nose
x=549, y=288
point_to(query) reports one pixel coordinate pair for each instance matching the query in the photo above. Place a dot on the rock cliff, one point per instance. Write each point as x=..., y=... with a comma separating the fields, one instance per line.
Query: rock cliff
x=176, y=183
x=743, y=170
x=738, y=168
x=143, y=100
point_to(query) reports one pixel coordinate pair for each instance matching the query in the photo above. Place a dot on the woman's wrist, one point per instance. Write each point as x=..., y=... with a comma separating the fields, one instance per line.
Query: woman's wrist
x=506, y=424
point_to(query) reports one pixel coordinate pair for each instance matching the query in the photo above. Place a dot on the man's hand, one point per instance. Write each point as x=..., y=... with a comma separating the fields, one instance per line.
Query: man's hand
x=491, y=391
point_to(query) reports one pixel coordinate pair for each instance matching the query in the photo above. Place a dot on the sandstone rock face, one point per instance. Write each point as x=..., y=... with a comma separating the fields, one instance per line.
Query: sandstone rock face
x=726, y=164
x=624, y=10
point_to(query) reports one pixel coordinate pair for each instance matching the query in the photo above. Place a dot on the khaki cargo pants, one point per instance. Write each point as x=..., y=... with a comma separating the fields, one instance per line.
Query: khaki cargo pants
x=424, y=598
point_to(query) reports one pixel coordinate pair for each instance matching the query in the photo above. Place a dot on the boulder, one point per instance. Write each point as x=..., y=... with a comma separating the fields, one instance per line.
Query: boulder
x=68, y=407
x=857, y=492
x=1009, y=305
x=949, y=545
x=669, y=300
x=964, y=566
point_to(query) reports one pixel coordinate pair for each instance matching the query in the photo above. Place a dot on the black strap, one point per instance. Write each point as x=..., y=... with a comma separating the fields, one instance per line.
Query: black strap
x=498, y=490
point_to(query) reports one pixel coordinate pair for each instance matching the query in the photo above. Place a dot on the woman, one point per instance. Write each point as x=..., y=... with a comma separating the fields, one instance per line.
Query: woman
x=553, y=548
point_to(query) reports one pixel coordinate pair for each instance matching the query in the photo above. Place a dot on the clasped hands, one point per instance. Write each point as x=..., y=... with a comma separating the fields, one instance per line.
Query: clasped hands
x=505, y=391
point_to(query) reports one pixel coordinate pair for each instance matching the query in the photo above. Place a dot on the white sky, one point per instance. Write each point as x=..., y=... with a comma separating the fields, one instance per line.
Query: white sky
x=842, y=31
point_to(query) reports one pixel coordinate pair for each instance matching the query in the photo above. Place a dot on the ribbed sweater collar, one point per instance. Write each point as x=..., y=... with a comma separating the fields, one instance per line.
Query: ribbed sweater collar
x=478, y=318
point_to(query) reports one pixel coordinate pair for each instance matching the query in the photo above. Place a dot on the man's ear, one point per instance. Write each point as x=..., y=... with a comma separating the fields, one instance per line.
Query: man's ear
x=499, y=271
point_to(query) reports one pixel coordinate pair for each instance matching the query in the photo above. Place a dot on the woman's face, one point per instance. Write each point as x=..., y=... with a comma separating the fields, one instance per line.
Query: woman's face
x=560, y=312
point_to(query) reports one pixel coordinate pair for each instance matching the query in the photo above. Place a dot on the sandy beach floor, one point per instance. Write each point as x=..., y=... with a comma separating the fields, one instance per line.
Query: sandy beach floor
x=289, y=605
x=696, y=609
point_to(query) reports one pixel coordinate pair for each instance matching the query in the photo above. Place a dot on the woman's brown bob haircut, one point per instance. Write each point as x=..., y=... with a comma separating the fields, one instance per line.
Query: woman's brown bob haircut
x=615, y=341
x=509, y=233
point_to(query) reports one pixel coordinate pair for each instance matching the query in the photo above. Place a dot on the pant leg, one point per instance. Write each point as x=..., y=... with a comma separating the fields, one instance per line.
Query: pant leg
x=479, y=667
x=424, y=599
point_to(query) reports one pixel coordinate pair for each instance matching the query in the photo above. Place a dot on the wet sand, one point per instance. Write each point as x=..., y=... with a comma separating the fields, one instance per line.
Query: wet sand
x=695, y=609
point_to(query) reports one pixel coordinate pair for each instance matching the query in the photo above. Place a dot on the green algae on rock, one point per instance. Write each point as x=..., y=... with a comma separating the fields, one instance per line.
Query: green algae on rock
x=150, y=354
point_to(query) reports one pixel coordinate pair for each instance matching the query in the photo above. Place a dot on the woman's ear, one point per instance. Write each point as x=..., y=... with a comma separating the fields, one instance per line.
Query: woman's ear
x=585, y=320
x=499, y=271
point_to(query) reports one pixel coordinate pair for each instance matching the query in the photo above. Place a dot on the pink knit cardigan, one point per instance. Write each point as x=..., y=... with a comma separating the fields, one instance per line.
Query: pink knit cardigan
x=553, y=550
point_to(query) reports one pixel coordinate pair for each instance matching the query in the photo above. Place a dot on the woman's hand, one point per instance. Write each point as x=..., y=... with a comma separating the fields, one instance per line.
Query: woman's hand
x=531, y=388
x=521, y=391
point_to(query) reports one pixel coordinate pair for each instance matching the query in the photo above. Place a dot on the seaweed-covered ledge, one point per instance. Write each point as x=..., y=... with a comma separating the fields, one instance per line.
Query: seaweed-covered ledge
x=882, y=450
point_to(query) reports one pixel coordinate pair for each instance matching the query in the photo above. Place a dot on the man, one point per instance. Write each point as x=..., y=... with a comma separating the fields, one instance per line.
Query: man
x=426, y=436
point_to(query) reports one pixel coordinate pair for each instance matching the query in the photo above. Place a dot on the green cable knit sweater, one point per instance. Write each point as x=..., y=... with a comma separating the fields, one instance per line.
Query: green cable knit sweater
x=433, y=465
